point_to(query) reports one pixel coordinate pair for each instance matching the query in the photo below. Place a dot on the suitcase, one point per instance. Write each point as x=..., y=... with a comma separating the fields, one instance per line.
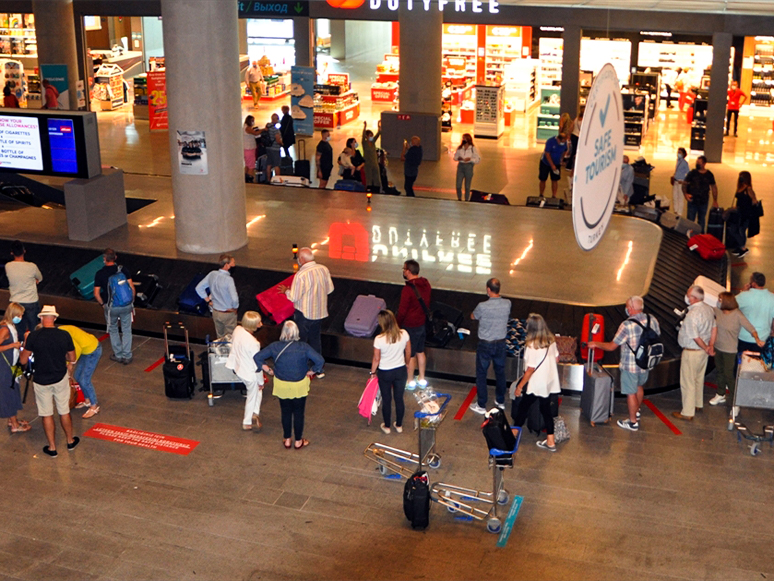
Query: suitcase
x=302, y=167
x=647, y=213
x=291, y=181
x=178, y=369
x=146, y=288
x=708, y=247
x=543, y=202
x=275, y=304
x=446, y=321
x=716, y=226
x=672, y=221
x=597, y=395
x=349, y=186
x=711, y=290
x=416, y=500
x=593, y=330
x=286, y=166
x=261, y=163
x=362, y=318
x=83, y=278
x=483, y=197
x=190, y=302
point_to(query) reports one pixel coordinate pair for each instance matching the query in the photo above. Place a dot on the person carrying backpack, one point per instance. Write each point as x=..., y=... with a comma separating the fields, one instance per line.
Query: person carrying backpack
x=114, y=290
x=641, y=351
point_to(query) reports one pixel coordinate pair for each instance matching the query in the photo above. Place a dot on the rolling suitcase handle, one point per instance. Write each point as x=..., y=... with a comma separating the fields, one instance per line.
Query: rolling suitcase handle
x=181, y=327
x=301, y=147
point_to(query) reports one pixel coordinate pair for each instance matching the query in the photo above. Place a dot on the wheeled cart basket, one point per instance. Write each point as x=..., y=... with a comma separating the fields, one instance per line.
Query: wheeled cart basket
x=217, y=377
x=754, y=389
x=464, y=500
x=396, y=462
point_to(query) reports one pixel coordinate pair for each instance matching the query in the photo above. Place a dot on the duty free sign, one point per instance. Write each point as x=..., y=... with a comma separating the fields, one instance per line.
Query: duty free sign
x=475, y=6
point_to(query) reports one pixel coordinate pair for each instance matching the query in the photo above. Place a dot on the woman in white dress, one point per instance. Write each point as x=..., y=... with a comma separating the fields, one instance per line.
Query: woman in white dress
x=244, y=346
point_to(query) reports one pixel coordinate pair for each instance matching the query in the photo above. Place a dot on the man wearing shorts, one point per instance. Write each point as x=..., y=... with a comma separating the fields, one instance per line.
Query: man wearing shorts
x=633, y=377
x=551, y=163
x=411, y=317
x=54, y=355
x=324, y=159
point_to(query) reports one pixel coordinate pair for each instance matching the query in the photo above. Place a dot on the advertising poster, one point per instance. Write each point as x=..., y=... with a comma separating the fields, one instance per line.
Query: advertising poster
x=302, y=99
x=20, y=143
x=158, y=118
x=192, y=153
x=57, y=76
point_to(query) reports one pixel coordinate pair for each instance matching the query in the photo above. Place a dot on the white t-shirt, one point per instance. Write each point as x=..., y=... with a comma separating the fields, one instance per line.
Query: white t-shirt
x=23, y=277
x=248, y=139
x=545, y=379
x=393, y=354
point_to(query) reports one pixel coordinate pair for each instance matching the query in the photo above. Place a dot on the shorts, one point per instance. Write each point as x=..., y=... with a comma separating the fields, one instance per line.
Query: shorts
x=545, y=171
x=326, y=172
x=273, y=157
x=417, y=336
x=630, y=381
x=250, y=158
x=47, y=395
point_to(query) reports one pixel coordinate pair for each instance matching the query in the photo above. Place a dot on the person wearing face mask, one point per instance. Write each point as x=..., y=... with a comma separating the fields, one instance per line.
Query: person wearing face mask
x=698, y=185
x=357, y=160
x=324, y=159
x=223, y=297
x=371, y=170
x=10, y=399
x=551, y=163
x=633, y=377
x=697, y=339
x=677, y=180
x=466, y=157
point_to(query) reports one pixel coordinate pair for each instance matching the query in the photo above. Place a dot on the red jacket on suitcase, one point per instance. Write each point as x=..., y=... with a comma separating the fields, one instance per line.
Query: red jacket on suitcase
x=708, y=247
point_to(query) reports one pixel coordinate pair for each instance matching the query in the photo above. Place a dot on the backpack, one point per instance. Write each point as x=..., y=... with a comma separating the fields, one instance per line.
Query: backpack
x=119, y=291
x=416, y=500
x=497, y=432
x=650, y=349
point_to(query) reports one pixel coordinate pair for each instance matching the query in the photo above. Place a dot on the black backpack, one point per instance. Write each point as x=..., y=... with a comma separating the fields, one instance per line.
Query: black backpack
x=416, y=500
x=650, y=349
x=497, y=432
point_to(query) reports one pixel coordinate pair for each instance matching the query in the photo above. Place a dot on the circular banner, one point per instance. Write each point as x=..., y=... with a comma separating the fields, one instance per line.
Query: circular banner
x=598, y=160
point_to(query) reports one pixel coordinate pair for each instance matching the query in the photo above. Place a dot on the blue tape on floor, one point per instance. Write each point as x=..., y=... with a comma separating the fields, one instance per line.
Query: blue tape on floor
x=510, y=519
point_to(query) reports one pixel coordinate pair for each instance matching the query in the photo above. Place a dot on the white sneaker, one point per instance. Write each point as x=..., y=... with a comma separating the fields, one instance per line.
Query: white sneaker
x=422, y=383
x=500, y=405
x=638, y=415
x=477, y=409
x=411, y=385
x=718, y=399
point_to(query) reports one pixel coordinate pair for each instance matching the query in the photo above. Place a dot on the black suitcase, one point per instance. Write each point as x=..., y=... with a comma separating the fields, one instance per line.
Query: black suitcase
x=189, y=300
x=485, y=198
x=715, y=223
x=416, y=500
x=303, y=167
x=286, y=166
x=178, y=369
x=146, y=288
x=543, y=202
x=446, y=321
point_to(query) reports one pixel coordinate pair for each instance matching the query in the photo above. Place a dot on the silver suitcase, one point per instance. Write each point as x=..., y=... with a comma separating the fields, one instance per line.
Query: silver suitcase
x=597, y=395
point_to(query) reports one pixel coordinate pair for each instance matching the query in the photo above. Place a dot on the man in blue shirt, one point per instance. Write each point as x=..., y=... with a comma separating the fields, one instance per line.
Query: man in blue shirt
x=551, y=163
x=677, y=180
x=223, y=298
x=757, y=304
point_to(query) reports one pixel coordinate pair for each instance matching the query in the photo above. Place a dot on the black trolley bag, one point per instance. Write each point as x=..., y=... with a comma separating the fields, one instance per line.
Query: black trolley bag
x=302, y=167
x=179, y=368
x=416, y=500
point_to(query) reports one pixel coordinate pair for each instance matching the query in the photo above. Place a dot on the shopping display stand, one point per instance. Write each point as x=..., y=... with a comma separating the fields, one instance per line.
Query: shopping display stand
x=111, y=92
x=394, y=462
x=463, y=500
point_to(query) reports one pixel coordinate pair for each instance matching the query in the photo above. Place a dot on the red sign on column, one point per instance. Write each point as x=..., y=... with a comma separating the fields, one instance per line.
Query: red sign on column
x=157, y=100
x=403, y=117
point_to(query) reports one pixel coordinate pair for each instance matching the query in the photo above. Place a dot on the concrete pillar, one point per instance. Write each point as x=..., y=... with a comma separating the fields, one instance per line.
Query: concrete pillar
x=55, y=33
x=570, y=70
x=718, y=94
x=420, y=60
x=201, y=41
x=303, y=35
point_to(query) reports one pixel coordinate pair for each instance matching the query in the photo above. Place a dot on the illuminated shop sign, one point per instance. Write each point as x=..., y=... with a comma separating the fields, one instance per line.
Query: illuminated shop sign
x=476, y=6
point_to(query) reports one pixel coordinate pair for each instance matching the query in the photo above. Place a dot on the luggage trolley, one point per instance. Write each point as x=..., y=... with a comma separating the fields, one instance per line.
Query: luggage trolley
x=217, y=374
x=460, y=500
x=404, y=463
x=754, y=389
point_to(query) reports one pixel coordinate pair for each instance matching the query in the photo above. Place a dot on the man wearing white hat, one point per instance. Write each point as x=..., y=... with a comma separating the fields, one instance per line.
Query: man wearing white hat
x=54, y=354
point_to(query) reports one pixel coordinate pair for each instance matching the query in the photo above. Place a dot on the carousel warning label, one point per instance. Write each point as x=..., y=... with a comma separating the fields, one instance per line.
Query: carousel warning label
x=142, y=439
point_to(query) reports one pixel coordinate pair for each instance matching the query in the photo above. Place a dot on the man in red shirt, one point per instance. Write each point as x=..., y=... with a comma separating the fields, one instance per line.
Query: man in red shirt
x=736, y=98
x=50, y=96
x=411, y=317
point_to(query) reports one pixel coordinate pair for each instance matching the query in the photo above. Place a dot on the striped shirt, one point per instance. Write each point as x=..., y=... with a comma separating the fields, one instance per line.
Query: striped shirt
x=310, y=289
x=628, y=338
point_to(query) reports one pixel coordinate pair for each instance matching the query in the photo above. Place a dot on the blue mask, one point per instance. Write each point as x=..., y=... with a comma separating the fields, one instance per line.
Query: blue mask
x=16, y=320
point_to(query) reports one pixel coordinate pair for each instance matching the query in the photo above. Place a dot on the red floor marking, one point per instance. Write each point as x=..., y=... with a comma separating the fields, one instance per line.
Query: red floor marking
x=710, y=384
x=466, y=403
x=735, y=264
x=155, y=365
x=662, y=417
x=142, y=439
x=105, y=336
x=442, y=190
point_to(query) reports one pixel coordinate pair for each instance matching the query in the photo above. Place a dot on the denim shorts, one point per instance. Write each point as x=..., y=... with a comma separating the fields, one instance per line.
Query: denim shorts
x=630, y=381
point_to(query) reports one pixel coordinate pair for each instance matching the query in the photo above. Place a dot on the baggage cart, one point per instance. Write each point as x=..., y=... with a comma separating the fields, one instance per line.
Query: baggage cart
x=217, y=376
x=468, y=501
x=754, y=389
x=395, y=462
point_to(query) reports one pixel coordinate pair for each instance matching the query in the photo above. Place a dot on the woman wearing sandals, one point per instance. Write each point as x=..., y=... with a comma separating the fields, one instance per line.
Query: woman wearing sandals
x=244, y=347
x=87, y=354
x=10, y=390
x=291, y=379
x=541, y=377
x=392, y=351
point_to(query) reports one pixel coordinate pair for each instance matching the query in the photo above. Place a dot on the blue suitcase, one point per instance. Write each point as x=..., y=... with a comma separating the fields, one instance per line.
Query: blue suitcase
x=349, y=186
x=83, y=278
x=363, y=316
x=190, y=302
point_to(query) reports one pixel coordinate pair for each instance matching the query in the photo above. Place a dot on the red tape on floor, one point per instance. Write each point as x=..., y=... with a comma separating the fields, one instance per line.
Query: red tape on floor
x=466, y=404
x=142, y=439
x=662, y=417
x=155, y=365
x=105, y=336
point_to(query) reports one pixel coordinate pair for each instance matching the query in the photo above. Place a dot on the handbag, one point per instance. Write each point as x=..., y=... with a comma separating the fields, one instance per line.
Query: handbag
x=568, y=347
x=561, y=433
x=16, y=371
x=76, y=393
x=432, y=328
x=757, y=209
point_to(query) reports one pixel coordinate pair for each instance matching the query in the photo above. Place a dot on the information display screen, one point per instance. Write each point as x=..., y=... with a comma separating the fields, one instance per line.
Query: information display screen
x=20, y=146
x=61, y=137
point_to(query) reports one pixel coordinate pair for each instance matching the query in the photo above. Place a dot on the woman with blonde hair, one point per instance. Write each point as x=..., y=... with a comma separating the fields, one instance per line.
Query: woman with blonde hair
x=10, y=390
x=541, y=377
x=392, y=351
x=244, y=347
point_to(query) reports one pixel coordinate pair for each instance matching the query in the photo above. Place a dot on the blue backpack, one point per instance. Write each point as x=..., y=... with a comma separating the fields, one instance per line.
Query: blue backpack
x=119, y=291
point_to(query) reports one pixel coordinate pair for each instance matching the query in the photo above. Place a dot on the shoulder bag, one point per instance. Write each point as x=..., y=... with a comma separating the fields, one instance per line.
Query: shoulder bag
x=512, y=389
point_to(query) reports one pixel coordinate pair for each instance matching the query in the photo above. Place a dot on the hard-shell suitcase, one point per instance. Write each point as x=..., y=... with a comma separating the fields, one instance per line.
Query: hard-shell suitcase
x=711, y=289
x=362, y=318
x=189, y=300
x=146, y=288
x=261, y=163
x=647, y=213
x=274, y=303
x=715, y=223
x=708, y=247
x=302, y=167
x=178, y=369
x=286, y=166
x=597, y=395
x=290, y=180
x=483, y=197
x=593, y=330
x=83, y=278
x=679, y=224
x=543, y=202
x=349, y=186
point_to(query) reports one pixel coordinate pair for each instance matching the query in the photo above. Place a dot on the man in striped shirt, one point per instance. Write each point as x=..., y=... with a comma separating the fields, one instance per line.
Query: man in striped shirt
x=309, y=295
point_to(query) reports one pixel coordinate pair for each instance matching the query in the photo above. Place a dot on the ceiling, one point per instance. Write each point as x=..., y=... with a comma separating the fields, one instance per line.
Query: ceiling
x=747, y=7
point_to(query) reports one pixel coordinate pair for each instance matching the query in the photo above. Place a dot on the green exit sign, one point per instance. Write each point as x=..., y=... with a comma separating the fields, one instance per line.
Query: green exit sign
x=272, y=8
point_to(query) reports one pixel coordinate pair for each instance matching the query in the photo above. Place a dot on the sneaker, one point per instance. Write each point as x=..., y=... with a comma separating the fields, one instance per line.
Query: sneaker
x=385, y=429
x=628, y=425
x=422, y=383
x=319, y=375
x=742, y=253
x=116, y=359
x=500, y=405
x=544, y=444
x=411, y=385
x=75, y=442
x=398, y=428
x=128, y=360
x=475, y=408
x=718, y=399
x=638, y=415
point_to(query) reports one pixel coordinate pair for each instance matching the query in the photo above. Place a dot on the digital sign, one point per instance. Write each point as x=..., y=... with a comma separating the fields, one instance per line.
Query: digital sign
x=20, y=147
x=61, y=137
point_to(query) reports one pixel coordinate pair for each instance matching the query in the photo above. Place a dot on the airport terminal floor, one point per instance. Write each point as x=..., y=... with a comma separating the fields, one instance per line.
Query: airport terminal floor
x=671, y=501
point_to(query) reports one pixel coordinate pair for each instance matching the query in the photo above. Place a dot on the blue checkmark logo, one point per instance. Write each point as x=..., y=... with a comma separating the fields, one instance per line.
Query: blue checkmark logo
x=603, y=114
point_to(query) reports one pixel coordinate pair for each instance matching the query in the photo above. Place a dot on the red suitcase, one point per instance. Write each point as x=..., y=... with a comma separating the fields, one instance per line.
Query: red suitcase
x=276, y=304
x=593, y=330
x=708, y=247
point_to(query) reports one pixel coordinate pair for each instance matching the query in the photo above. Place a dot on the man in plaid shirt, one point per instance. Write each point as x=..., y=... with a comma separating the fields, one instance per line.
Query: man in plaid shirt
x=633, y=377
